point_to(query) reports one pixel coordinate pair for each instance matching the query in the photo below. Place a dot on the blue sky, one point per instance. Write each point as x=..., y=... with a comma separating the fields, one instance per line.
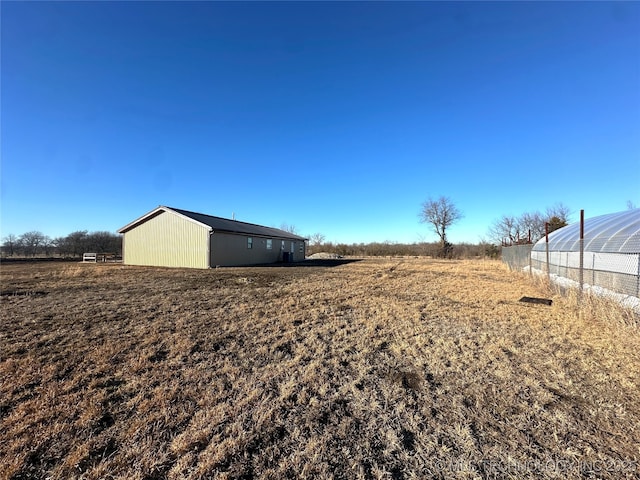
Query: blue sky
x=338, y=118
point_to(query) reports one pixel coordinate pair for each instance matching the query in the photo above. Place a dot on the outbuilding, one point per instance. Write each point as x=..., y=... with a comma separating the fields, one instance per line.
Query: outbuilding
x=610, y=252
x=171, y=237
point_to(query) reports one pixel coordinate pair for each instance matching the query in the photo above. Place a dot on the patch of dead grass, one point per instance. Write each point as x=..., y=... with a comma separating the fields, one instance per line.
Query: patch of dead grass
x=374, y=369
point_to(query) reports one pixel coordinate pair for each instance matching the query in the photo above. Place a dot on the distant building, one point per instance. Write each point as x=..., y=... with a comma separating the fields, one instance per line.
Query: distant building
x=170, y=237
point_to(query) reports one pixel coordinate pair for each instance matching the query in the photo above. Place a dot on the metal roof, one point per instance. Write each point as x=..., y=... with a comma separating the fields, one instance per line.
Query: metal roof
x=612, y=233
x=217, y=224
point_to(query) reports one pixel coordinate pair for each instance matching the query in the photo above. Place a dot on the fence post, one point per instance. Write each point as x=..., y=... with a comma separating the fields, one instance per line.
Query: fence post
x=530, y=252
x=581, y=272
x=546, y=236
x=638, y=280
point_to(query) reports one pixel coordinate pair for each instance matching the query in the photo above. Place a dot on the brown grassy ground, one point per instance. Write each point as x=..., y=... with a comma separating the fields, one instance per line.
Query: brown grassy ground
x=373, y=369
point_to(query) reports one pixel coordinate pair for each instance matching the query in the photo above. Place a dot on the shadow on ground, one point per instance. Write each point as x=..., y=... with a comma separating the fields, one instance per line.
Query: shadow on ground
x=316, y=262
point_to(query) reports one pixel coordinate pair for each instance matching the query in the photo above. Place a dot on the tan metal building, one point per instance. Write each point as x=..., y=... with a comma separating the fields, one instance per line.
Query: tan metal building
x=170, y=237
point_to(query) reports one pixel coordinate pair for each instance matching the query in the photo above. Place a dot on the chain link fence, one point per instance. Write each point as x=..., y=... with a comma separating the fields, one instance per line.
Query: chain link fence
x=616, y=272
x=517, y=257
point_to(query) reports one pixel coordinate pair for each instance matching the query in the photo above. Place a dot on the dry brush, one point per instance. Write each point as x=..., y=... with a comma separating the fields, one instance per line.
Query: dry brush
x=373, y=369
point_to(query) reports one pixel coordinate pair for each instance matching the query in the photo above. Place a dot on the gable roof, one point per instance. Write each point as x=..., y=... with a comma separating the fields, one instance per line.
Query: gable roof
x=216, y=224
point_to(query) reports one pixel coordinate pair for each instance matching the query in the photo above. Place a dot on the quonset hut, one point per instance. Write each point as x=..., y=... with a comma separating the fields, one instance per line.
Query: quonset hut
x=611, y=252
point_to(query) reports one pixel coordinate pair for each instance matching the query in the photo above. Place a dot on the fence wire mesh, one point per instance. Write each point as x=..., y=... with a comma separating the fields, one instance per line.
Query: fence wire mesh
x=517, y=257
x=615, y=272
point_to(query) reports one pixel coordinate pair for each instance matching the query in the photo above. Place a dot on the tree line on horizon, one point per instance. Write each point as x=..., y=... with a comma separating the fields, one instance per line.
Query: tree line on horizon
x=37, y=244
x=440, y=213
x=393, y=249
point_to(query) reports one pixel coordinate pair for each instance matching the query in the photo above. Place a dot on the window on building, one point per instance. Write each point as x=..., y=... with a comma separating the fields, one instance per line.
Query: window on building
x=282, y=247
x=301, y=247
x=249, y=242
x=269, y=244
x=293, y=247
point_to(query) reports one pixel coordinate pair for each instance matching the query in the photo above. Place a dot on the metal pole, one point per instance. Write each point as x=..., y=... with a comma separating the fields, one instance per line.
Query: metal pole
x=530, y=251
x=546, y=236
x=638, y=280
x=581, y=273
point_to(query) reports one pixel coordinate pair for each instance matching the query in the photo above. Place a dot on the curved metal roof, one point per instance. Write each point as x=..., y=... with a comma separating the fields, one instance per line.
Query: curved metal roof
x=611, y=233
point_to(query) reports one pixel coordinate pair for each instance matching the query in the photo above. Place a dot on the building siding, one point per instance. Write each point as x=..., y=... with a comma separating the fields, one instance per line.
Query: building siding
x=167, y=240
x=231, y=249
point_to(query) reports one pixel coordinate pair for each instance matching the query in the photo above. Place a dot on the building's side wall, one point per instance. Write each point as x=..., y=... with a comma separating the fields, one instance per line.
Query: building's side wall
x=229, y=249
x=299, y=251
x=167, y=240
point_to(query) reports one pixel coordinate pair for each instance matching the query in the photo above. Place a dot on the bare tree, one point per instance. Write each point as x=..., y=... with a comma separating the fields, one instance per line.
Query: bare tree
x=530, y=226
x=76, y=242
x=630, y=205
x=316, y=239
x=61, y=245
x=506, y=228
x=289, y=228
x=10, y=244
x=104, y=242
x=31, y=241
x=47, y=245
x=441, y=213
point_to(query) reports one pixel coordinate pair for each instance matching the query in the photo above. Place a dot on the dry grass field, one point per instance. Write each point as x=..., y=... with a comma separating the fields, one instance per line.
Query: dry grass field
x=395, y=369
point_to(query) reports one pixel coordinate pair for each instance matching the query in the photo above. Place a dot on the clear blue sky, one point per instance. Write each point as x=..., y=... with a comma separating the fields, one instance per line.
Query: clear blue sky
x=338, y=118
